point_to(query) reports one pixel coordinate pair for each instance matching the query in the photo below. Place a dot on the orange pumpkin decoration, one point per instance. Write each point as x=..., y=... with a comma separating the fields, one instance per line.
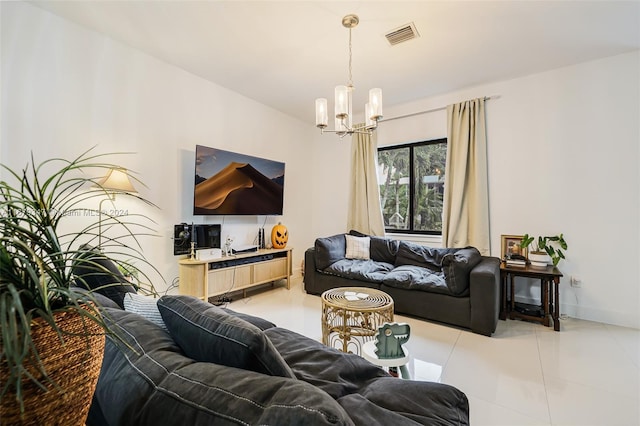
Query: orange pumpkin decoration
x=279, y=236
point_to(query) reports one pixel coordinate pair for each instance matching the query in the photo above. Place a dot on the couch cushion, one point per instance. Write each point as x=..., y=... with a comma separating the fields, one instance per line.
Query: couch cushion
x=389, y=401
x=457, y=266
x=206, y=333
x=96, y=272
x=357, y=247
x=329, y=250
x=361, y=270
x=384, y=249
x=367, y=392
x=335, y=372
x=101, y=300
x=418, y=255
x=151, y=382
x=410, y=277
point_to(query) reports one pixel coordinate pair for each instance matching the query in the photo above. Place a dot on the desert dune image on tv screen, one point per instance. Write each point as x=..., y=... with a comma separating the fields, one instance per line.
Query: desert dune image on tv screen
x=236, y=184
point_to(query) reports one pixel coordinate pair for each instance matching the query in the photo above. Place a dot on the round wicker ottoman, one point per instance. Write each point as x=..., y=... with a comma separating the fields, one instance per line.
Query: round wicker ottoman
x=352, y=315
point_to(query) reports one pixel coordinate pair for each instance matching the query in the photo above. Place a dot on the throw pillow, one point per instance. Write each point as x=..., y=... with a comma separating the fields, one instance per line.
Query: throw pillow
x=329, y=250
x=208, y=334
x=357, y=247
x=261, y=323
x=145, y=306
x=96, y=272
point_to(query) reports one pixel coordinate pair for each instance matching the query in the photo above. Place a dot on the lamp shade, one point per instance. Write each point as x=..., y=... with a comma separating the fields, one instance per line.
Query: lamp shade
x=375, y=104
x=341, y=101
x=321, y=113
x=117, y=180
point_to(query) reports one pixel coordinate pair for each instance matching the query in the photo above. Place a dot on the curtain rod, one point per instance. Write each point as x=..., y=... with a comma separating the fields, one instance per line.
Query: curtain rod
x=486, y=98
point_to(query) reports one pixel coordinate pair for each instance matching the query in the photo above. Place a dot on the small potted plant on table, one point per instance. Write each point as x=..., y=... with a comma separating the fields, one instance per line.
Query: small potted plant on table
x=544, y=251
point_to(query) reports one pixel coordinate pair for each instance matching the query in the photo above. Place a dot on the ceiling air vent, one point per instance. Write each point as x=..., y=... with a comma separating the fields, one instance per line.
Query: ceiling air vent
x=400, y=35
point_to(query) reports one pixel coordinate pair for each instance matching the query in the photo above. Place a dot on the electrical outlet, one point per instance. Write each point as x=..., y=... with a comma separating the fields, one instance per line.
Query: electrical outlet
x=576, y=281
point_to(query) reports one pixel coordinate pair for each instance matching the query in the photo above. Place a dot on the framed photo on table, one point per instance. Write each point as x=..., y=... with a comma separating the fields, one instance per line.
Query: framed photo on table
x=511, y=246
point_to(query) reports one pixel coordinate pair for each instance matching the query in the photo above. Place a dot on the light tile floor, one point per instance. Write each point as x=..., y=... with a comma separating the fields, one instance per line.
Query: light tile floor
x=525, y=374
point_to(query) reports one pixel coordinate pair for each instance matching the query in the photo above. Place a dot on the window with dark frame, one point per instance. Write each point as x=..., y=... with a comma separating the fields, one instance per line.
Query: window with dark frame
x=411, y=180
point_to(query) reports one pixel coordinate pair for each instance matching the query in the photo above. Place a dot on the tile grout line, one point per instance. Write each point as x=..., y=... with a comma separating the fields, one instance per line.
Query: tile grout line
x=621, y=346
x=518, y=411
x=544, y=381
x=453, y=347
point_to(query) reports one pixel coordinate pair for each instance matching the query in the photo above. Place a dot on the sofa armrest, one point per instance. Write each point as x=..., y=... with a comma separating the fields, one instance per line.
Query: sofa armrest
x=484, y=290
x=310, y=270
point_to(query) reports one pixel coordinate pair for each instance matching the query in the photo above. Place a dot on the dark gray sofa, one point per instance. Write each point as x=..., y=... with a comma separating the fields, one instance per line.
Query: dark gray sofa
x=215, y=366
x=454, y=286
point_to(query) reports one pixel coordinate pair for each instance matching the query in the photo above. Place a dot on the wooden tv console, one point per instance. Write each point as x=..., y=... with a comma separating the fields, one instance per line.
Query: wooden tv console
x=215, y=277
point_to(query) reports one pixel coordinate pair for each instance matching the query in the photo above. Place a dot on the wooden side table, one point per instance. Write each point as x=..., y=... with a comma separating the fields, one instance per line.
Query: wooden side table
x=549, y=293
x=352, y=315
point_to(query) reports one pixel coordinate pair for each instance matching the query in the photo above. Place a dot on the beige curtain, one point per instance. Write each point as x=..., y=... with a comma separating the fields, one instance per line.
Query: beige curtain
x=466, y=198
x=365, y=213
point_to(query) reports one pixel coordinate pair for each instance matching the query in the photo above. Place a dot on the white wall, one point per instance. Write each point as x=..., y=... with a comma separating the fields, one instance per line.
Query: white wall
x=576, y=131
x=331, y=170
x=65, y=89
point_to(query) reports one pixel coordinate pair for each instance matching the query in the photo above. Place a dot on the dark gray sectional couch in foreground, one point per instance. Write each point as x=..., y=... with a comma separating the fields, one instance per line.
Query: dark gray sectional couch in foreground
x=202, y=365
x=456, y=286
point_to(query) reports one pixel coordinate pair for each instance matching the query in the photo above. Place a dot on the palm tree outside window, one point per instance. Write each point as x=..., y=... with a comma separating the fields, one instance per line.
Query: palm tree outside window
x=411, y=179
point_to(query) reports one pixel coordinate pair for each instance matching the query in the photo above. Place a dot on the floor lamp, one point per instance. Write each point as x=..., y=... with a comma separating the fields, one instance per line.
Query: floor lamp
x=116, y=180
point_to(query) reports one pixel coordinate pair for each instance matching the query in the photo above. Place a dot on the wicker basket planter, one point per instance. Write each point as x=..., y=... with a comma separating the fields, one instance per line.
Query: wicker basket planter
x=74, y=365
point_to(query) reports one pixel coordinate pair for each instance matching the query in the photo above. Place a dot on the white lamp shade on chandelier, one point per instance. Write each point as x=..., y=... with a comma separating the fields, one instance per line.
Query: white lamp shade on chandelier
x=321, y=112
x=375, y=103
x=343, y=101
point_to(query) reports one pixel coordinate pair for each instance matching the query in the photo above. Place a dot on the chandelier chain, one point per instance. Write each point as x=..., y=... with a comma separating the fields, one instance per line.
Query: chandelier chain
x=350, y=60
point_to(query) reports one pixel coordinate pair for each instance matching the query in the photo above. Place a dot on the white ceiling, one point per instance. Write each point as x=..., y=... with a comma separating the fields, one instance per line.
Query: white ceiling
x=287, y=53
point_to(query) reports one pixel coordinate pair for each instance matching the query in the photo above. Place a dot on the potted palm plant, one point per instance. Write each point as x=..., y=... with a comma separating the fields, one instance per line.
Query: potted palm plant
x=544, y=250
x=51, y=333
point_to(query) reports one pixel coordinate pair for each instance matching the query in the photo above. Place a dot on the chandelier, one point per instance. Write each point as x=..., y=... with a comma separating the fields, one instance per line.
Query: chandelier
x=343, y=101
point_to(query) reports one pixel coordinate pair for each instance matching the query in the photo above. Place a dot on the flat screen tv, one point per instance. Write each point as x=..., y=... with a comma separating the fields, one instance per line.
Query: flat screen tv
x=228, y=183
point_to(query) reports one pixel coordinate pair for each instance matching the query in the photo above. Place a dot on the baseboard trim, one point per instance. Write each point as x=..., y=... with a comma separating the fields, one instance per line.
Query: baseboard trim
x=605, y=316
